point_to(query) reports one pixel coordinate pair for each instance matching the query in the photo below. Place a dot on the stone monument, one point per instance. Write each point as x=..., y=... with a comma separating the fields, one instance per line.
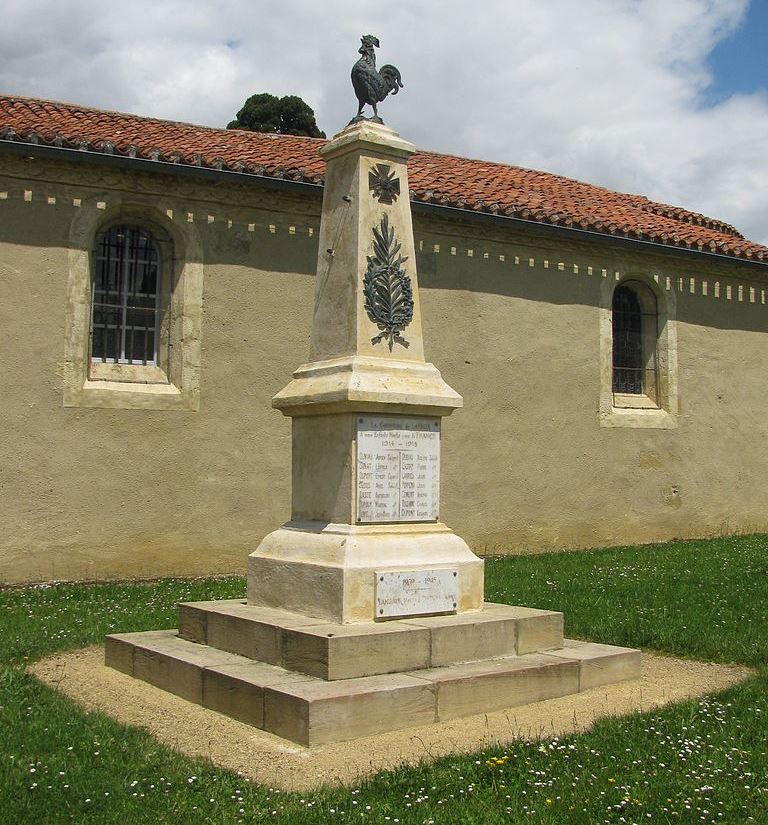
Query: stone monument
x=366, y=414
x=364, y=612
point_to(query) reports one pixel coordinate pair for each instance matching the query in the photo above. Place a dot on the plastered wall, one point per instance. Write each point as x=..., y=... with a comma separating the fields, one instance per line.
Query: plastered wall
x=511, y=320
x=527, y=464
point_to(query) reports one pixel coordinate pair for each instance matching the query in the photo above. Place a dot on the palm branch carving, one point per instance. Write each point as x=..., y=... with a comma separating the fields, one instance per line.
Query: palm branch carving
x=387, y=288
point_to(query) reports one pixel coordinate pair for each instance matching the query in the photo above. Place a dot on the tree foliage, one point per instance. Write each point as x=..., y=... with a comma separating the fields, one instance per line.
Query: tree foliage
x=288, y=115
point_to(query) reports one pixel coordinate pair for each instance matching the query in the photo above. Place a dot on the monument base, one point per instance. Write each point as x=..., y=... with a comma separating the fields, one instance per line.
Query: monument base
x=315, y=683
x=330, y=571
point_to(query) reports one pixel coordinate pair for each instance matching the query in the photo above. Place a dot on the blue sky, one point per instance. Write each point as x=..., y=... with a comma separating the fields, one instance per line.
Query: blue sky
x=664, y=98
x=740, y=62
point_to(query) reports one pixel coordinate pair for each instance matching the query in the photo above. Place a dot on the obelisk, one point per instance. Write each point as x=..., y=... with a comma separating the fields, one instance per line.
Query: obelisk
x=365, y=541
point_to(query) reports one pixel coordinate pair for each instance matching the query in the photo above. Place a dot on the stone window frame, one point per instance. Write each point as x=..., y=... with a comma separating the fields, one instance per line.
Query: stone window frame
x=174, y=384
x=655, y=410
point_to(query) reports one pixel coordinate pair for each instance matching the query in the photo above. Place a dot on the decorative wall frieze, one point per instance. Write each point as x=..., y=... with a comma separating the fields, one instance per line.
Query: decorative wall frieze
x=283, y=214
x=222, y=193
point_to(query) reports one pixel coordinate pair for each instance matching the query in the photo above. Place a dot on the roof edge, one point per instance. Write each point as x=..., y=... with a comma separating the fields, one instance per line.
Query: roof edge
x=576, y=233
x=158, y=166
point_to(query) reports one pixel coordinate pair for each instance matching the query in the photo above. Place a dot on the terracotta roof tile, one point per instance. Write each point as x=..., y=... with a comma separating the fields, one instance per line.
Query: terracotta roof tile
x=434, y=178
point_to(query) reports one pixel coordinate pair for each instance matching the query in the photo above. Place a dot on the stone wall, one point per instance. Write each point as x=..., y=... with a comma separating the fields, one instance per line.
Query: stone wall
x=512, y=321
x=527, y=464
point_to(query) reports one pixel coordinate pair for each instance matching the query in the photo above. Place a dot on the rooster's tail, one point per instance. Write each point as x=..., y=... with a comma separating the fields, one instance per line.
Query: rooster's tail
x=392, y=80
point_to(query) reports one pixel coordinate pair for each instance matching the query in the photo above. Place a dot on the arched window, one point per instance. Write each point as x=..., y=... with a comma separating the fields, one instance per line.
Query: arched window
x=125, y=300
x=635, y=331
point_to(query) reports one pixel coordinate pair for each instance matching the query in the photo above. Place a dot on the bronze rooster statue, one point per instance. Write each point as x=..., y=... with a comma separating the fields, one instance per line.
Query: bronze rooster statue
x=372, y=86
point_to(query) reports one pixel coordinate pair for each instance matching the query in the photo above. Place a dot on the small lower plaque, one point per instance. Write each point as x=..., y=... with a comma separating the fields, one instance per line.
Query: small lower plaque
x=416, y=592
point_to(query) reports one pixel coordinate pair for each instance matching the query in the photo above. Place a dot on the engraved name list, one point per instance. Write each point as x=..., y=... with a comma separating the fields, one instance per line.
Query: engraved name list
x=398, y=469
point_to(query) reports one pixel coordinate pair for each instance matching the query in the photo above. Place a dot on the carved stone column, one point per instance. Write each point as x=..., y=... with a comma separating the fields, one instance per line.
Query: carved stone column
x=365, y=541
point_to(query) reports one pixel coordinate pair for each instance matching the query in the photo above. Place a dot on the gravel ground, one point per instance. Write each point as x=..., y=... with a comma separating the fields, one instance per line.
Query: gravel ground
x=272, y=761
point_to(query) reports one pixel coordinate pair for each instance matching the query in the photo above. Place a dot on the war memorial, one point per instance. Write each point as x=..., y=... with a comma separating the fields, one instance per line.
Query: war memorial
x=365, y=613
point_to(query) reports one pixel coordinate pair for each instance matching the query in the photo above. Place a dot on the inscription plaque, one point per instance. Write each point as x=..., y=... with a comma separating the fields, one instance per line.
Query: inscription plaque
x=398, y=468
x=416, y=592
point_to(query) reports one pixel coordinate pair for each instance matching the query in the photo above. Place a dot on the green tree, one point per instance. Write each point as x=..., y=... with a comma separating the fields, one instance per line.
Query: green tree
x=287, y=115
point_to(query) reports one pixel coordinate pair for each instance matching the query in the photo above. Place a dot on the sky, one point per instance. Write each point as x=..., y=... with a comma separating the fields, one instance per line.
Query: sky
x=664, y=98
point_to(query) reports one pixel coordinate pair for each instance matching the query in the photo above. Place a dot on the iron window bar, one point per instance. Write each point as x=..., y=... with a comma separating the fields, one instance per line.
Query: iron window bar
x=633, y=359
x=125, y=298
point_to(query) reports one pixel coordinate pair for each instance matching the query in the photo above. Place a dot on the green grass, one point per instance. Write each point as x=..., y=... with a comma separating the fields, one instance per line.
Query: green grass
x=697, y=599
x=699, y=761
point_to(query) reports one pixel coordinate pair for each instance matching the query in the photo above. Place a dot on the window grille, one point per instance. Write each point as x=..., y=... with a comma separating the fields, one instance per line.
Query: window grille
x=125, y=298
x=634, y=343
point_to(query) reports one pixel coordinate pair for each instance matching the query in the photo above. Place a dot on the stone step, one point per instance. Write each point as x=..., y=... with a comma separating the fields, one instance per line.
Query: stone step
x=312, y=711
x=349, y=651
x=600, y=664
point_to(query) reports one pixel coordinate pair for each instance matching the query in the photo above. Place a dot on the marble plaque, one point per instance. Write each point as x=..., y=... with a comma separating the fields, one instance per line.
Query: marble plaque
x=398, y=468
x=416, y=592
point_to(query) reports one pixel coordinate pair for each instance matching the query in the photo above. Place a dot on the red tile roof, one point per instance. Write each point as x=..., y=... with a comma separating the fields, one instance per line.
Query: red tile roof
x=439, y=179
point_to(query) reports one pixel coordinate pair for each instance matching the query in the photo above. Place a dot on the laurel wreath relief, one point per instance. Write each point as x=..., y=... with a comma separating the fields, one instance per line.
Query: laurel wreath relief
x=387, y=288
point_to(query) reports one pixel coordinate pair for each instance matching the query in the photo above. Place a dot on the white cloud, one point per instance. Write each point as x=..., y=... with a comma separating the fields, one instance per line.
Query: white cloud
x=609, y=91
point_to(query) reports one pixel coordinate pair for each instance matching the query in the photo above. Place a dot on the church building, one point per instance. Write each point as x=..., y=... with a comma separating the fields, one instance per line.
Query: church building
x=156, y=291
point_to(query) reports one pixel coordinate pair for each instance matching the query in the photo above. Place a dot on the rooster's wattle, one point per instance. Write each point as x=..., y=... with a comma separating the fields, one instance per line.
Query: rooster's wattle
x=372, y=85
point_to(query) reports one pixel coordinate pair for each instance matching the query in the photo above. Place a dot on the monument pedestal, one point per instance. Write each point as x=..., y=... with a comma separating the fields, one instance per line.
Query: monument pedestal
x=365, y=613
x=318, y=682
x=333, y=571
